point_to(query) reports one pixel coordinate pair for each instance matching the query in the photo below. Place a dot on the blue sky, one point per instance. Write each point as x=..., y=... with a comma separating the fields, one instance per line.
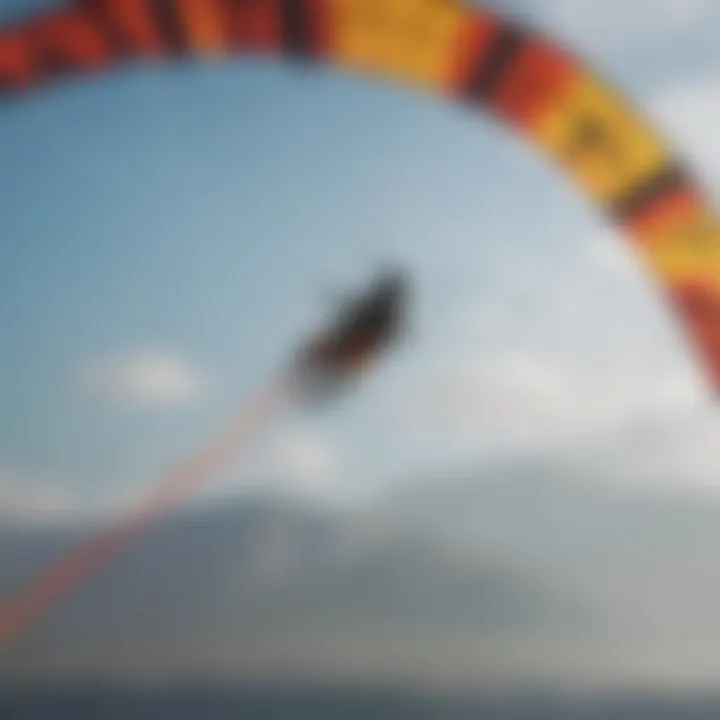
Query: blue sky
x=171, y=232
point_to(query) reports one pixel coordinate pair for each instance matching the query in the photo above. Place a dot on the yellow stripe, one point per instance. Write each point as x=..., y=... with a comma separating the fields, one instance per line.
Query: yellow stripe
x=686, y=252
x=204, y=26
x=413, y=41
x=598, y=138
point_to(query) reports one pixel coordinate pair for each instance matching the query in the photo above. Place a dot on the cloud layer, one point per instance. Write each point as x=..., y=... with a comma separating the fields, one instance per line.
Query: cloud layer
x=143, y=379
x=26, y=499
x=613, y=25
x=294, y=461
x=577, y=352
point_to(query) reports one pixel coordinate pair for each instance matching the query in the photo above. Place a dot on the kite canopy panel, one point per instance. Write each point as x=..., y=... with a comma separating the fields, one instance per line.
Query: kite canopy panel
x=462, y=52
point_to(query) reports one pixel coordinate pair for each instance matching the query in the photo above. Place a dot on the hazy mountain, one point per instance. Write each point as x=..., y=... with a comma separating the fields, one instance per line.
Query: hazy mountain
x=266, y=588
x=513, y=574
x=644, y=560
x=571, y=524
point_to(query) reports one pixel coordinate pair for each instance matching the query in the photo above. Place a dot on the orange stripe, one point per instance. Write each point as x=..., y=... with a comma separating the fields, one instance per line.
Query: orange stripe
x=205, y=24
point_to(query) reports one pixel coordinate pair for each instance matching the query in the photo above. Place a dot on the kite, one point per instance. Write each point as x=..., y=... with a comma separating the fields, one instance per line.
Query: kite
x=461, y=52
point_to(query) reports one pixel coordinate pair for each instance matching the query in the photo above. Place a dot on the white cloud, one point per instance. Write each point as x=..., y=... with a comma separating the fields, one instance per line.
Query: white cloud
x=292, y=460
x=144, y=379
x=614, y=23
x=25, y=499
x=688, y=115
x=640, y=15
x=304, y=459
x=585, y=353
x=611, y=253
x=680, y=448
x=525, y=400
x=657, y=428
x=590, y=359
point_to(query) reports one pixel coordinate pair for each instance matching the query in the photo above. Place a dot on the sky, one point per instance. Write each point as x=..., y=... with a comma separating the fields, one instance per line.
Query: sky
x=171, y=233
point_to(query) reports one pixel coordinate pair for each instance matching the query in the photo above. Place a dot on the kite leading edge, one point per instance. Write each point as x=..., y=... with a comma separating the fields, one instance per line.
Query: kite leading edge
x=457, y=50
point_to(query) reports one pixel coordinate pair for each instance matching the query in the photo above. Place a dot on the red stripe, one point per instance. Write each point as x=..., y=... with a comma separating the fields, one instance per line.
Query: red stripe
x=67, y=41
x=532, y=82
x=132, y=21
x=253, y=24
x=16, y=60
x=699, y=307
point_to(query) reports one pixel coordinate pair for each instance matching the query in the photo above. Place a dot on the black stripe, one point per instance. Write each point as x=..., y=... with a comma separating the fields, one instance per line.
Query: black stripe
x=505, y=46
x=669, y=179
x=51, y=60
x=170, y=25
x=296, y=35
